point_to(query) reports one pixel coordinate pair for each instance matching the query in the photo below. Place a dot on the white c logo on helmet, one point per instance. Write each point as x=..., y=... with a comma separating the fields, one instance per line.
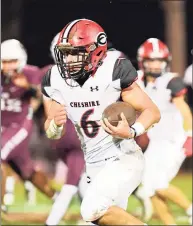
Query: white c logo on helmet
x=101, y=38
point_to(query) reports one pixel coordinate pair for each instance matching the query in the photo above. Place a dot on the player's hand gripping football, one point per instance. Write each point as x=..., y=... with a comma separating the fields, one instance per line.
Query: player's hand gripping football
x=60, y=115
x=122, y=130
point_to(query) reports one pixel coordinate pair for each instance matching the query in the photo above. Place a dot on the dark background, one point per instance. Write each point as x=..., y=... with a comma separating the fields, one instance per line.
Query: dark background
x=127, y=23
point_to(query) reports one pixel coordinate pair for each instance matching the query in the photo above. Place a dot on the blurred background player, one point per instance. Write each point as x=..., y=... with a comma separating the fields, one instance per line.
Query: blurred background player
x=19, y=85
x=69, y=150
x=169, y=143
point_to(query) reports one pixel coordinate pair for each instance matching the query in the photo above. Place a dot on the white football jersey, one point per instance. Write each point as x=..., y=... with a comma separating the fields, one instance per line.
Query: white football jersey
x=188, y=76
x=171, y=124
x=85, y=105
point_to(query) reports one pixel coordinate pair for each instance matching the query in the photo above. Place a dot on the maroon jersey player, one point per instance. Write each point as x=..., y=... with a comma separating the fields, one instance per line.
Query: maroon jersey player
x=18, y=85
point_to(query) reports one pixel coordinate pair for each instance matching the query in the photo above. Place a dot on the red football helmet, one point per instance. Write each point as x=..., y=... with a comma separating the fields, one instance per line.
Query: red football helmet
x=86, y=43
x=153, y=49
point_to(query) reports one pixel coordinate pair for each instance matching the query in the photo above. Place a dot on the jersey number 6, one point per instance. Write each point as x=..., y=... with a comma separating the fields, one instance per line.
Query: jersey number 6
x=91, y=128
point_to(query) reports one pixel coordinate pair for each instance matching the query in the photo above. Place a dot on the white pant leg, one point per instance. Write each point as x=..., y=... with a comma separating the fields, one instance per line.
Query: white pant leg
x=162, y=162
x=177, y=163
x=112, y=184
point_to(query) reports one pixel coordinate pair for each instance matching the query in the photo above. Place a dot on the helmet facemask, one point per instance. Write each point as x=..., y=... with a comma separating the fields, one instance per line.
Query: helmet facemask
x=77, y=65
x=154, y=67
x=80, y=50
x=10, y=67
x=153, y=58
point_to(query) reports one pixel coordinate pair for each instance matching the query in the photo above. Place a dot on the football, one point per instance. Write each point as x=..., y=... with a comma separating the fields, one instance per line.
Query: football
x=113, y=111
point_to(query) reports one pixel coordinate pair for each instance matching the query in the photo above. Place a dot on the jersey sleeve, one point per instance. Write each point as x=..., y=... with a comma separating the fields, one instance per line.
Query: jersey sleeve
x=177, y=87
x=48, y=91
x=33, y=74
x=46, y=83
x=124, y=71
x=45, y=69
x=188, y=76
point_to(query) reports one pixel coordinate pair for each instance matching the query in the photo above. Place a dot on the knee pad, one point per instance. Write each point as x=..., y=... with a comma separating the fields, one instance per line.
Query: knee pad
x=92, y=208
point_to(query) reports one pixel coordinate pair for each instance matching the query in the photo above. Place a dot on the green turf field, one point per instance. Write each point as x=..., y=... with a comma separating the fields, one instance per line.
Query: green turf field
x=184, y=181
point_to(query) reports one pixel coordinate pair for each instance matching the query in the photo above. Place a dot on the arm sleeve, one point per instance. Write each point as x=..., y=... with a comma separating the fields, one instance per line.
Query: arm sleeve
x=124, y=71
x=48, y=91
x=33, y=74
x=177, y=87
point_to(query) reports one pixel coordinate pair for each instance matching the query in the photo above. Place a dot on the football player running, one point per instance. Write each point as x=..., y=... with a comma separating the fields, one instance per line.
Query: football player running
x=169, y=143
x=19, y=85
x=85, y=81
